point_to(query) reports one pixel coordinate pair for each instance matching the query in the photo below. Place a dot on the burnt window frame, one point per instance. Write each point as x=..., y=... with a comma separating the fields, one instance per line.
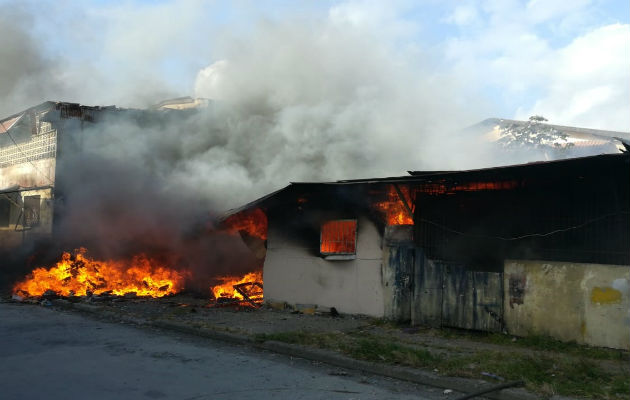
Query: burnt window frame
x=5, y=207
x=339, y=255
x=28, y=221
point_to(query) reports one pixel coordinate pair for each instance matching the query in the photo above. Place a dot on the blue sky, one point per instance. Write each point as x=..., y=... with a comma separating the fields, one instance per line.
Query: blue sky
x=569, y=61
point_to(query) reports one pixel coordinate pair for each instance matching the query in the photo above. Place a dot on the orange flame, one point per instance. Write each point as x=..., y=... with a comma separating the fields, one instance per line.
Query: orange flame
x=338, y=237
x=394, y=209
x=226, y=287
x=253, y=222
x=77, y=274
x=441, y=188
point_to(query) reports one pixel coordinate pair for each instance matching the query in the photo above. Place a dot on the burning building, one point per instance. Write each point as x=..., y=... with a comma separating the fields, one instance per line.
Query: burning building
x=541, y=247
x=81, y=224
x=535, y=248
x=37, y=144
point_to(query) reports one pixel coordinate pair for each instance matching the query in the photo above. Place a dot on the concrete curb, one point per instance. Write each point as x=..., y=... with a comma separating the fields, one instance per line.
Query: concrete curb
x=324, y=356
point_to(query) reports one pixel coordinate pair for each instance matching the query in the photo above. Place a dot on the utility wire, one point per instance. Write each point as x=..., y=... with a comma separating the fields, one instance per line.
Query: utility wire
x=588, y=222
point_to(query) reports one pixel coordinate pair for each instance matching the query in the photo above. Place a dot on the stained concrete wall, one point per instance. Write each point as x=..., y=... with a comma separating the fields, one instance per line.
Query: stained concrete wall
x=586, y=303
x=398, y=271
x=16, y=233
x=297, y=275
x=35, y=173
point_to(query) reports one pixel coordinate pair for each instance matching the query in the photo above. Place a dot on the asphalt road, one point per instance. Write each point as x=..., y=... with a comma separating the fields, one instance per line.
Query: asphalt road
x=50, y=354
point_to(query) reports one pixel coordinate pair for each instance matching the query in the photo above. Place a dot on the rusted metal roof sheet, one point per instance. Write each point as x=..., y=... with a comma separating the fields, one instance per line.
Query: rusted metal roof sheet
x=572, y=165
x=9, y=122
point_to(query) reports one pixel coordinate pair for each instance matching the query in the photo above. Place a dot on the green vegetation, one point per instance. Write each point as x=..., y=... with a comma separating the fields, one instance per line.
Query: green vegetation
x=567, y=369
x=538, y=342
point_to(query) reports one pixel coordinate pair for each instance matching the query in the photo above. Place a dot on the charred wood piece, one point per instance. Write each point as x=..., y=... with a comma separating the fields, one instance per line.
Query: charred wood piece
x=252, y=292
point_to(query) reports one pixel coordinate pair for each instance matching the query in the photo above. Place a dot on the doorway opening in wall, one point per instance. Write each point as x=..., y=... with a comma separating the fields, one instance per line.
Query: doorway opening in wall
x=5, y=212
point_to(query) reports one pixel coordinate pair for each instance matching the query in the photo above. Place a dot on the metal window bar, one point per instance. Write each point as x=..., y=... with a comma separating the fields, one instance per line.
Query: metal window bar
x=338, y=237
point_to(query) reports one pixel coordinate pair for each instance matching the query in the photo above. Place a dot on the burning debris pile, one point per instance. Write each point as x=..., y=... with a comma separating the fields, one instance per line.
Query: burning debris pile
x=246, y=290
x=76, y=274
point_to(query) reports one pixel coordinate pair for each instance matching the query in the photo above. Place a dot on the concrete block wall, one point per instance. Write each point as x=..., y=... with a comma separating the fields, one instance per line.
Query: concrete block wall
x=585, y=303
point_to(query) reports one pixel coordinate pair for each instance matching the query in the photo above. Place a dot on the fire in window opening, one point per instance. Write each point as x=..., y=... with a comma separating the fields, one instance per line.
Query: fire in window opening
x=338, y=237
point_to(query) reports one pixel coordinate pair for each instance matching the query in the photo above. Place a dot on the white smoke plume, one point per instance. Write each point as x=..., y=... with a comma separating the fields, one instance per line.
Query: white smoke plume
x=322, y=101
x=335, y=96
x=342, y=95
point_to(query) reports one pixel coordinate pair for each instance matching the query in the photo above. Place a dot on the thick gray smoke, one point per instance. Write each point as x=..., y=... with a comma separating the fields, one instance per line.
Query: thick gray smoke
x=23, y=68
x=321, y=98
x=320, y=101
x=309, y=100
x=96, y=62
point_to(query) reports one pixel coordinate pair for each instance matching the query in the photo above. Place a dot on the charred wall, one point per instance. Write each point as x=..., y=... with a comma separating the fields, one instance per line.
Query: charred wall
x=297, y=273
x=575, y=210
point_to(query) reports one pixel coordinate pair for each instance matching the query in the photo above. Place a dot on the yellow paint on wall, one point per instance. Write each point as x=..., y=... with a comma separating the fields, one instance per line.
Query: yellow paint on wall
x=605, y=295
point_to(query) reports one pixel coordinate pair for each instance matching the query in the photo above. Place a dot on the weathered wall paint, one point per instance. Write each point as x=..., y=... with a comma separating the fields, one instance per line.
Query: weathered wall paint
x=14, y=235
x=30, y=174
x=586, y=303
x=605, y=295
x=426, y=307
x=296, y=275
x=451, y=295
x=397, y=271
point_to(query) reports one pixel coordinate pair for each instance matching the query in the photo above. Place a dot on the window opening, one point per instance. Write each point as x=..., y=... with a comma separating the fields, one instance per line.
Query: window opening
x=338, y=237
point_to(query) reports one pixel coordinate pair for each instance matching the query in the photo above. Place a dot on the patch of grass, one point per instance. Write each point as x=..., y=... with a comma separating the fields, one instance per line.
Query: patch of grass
x=546, y=375
x=323, y=340
x=620, y=384
x=386, y=323
x=372, y=349
x=539, y=342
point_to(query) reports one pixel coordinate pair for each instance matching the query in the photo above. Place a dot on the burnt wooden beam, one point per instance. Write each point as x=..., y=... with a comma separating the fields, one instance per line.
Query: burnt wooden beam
x=404, y=201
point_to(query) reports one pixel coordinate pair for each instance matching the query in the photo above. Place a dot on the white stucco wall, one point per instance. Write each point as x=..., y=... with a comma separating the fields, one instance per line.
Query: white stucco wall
x=295, y=275
x=586, y=303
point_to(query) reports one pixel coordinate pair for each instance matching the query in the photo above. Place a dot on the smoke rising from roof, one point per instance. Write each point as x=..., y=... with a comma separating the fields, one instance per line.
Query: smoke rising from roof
x=304, y=99
x=342, y=95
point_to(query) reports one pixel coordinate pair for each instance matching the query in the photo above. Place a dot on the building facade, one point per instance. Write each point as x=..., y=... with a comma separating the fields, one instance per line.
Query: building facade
x=540, y=248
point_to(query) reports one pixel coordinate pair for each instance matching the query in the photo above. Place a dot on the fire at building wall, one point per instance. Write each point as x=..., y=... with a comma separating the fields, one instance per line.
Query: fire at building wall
x=40, y=151
x=538, y=248
x=527, y=248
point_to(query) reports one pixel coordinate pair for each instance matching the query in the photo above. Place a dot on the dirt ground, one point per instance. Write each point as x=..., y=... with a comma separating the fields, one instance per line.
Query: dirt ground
x=237, y=319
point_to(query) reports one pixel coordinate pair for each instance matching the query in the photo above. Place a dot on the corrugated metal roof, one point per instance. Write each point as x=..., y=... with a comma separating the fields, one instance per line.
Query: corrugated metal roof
x=429, y=176
x=571, y=130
